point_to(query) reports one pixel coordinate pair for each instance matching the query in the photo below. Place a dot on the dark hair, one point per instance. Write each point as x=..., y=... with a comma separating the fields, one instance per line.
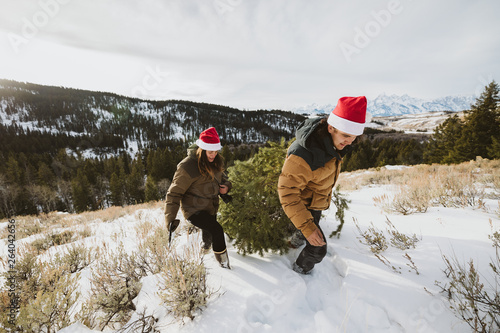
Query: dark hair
x=206, y=168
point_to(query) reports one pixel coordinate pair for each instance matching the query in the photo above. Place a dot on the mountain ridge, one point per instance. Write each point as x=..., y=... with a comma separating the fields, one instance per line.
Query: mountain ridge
x=396, y=105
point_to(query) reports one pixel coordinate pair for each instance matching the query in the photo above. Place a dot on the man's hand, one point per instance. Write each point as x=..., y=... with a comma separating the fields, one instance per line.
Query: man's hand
x=316, y=238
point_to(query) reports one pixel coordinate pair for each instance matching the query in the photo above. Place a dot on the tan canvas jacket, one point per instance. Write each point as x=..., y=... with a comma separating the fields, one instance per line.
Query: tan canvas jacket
x=309, y=173
x=301, y=189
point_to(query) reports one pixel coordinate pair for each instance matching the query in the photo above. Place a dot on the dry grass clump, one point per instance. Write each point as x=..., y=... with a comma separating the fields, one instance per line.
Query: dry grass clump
x=52, y=239
x=183, y=284
x=115, y=283
x=420, y=187
x=153, y=252
x=484, y=170
x=46, y=295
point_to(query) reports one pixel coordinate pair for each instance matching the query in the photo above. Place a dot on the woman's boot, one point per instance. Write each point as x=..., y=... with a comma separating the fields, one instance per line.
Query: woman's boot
x=223, y=259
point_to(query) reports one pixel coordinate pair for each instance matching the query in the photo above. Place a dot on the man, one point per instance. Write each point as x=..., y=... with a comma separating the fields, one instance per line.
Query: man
x=310, y=171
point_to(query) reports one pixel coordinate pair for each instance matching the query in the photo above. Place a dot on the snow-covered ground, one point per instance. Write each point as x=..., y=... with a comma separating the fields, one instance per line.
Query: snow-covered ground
x=350, y=291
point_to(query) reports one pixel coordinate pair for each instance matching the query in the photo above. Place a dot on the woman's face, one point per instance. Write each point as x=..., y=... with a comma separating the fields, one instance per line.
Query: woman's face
x=211, y=155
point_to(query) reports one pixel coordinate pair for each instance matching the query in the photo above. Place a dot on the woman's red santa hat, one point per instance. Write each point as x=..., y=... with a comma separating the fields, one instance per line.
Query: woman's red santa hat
x=350, y=116
x=209, y=140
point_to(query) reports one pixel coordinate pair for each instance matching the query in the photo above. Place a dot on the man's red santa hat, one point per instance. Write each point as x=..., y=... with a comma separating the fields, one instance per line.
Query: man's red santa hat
x=350, y=116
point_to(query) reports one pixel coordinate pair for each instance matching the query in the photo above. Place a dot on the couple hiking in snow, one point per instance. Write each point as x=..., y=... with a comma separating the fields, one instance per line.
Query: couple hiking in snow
x=305, y=185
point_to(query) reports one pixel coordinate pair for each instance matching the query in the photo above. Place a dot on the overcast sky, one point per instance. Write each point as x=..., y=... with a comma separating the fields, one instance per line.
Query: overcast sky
x=253, y=53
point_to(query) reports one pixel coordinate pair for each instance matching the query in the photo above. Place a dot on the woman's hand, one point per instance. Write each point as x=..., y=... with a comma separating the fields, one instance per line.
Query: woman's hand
x=223, y=189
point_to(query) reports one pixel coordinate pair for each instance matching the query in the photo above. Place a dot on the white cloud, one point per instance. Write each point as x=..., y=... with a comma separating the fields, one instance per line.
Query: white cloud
x=253, y=54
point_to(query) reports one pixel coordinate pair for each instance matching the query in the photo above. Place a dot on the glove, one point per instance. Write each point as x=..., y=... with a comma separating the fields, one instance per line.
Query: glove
x=172, y=225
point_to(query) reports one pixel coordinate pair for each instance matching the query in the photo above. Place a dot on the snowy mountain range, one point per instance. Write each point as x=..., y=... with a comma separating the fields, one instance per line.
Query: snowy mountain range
x=394, y=105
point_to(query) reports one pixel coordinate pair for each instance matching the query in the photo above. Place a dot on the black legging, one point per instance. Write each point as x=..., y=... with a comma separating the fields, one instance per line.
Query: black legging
x=208, y=223
x=311, y=255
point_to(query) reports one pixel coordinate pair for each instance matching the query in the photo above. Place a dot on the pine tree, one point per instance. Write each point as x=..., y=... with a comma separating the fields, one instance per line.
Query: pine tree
x=135, y=182
x=255, y=218
x=481, y=125
x=80, y=187
x=46, y=176
x=151, y=191
x=494, y=149
x=116, y=189
x=227, y=156
x=442, y=142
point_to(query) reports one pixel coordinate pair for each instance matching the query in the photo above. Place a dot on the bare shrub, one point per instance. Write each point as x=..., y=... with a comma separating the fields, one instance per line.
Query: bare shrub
x=183, y=284
x=115, y=283
x=153, y=252
x=85, y=232
x=143, y=324
x=373, y=238
x=46, y=295
x=61, y=238
x=143, y=229
x=411, y=263
x=41, y=244
x=471, y=298
x=411, y=198
x=400, y=240
x=50, y=310
x=387, y=263
x=52, y=239
x=76, y=258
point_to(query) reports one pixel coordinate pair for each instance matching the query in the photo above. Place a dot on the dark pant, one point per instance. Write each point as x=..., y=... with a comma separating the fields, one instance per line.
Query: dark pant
x=311, y=255
x=208, y=224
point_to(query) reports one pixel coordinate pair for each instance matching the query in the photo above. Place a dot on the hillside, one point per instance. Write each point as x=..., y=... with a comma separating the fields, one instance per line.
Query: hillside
x=96, y=123
x=352, y=290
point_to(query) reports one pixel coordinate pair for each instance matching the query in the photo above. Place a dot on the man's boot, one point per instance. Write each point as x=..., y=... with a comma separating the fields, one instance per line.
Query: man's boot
x=223, y=259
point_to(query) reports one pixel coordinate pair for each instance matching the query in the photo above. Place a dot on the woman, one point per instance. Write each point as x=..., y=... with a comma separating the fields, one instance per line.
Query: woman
x=195, y=188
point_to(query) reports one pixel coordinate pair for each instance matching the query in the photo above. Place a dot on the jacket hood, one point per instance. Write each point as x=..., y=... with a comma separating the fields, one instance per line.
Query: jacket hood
x=191, y=151
x=305, y=129
x=314, y=149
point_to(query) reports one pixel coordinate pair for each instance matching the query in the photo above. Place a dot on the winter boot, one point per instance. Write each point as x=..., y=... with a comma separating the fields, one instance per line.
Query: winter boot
x=206, y=244
x=223, y=259
x=299, y=269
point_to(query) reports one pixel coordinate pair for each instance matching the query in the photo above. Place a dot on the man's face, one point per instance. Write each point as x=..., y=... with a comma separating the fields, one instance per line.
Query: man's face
x=340, y=139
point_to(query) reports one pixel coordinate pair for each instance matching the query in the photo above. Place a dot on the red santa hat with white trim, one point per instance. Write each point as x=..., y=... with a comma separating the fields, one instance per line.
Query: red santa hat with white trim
x=209, y=140
x=350, y=116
